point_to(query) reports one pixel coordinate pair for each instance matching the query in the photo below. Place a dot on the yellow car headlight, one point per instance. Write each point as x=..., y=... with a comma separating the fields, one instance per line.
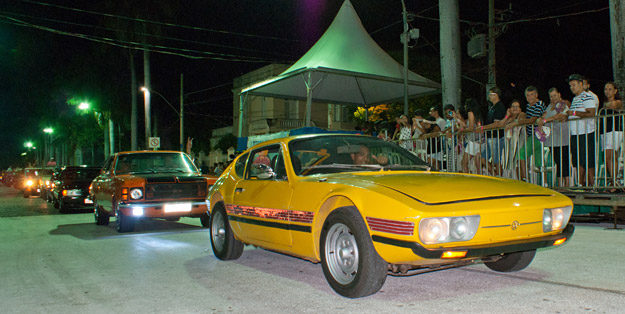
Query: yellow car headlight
x=448, y=229
x=29, y=183
x=556, y=218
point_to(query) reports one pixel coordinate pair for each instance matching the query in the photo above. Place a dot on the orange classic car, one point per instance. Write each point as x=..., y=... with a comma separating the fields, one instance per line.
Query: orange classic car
x=148, y=184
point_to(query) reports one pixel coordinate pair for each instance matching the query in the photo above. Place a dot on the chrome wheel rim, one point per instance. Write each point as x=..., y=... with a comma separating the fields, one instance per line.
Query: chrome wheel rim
x=218, y=230
x=341, y=254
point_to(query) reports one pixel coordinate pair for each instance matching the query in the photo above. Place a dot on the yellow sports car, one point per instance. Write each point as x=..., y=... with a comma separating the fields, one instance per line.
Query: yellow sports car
x=364, y=207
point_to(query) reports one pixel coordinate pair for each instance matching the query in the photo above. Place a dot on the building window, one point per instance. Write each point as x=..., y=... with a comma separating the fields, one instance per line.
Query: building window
x=263, y=107
x=291, y=109
x=343, y=113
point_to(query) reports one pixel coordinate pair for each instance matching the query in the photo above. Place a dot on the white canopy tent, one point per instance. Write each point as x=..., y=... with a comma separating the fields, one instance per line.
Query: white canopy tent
x=345, y=66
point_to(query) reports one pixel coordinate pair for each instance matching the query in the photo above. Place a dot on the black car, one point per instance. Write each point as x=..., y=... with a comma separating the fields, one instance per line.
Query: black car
x=71, y=187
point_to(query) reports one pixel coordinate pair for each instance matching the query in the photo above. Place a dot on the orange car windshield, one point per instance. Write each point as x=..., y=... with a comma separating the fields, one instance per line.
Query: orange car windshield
x=154, y=163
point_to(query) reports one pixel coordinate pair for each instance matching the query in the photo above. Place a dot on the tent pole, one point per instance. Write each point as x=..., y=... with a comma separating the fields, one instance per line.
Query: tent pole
x=308, y=99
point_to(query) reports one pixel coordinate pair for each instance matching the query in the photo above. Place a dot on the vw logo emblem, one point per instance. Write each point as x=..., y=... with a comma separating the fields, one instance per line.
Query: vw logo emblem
x=515, y=224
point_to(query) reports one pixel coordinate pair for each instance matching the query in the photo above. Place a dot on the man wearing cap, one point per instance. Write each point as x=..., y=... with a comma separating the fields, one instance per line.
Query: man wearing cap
x=582, y=131
x=496, y=139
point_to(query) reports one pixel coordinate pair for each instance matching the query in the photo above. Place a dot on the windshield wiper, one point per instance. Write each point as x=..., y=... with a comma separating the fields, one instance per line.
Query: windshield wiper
x=407, y=167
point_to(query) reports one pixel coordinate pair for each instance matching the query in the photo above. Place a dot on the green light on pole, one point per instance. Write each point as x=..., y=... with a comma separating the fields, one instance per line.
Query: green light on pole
x=83, y=105
x=28, y=144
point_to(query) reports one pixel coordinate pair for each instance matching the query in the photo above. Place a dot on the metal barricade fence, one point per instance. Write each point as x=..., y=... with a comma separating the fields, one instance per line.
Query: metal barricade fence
x=582, y=153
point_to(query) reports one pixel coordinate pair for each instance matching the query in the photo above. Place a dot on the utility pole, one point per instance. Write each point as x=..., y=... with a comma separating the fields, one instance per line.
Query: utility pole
x=492, y=72
x=146, y=96
x=617, y=28
x=450, y=51
x=182, y=113
x=405, y=38
x=133, y=104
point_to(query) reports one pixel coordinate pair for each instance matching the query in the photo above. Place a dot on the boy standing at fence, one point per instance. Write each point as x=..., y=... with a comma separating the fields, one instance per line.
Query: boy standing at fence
x=582, y=131
x=533, y=110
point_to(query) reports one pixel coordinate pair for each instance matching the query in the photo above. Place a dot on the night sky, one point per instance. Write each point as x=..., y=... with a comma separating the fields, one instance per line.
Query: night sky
x=46, y=58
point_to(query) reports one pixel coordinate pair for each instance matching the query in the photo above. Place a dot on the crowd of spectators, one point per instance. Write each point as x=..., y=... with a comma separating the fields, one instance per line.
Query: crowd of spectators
x=503, y=139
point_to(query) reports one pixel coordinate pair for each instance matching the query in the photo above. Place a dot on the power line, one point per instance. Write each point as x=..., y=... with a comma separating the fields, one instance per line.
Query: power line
x=160, y=23
x=142, y=34
x=141, y=46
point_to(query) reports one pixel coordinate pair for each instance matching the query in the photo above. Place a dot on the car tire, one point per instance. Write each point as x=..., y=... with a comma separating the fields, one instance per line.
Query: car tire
x=205, y=220
x=512, y=261
x=123, y=223
x=55, y=202
x=225, y=246
x=26, y=194
x=350, y=263
x=101, y=218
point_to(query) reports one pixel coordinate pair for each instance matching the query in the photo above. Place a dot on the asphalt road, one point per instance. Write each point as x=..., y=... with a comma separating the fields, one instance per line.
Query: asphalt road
x=53, y=263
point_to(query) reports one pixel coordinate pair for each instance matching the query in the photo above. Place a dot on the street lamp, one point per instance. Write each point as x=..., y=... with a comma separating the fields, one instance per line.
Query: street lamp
x=180, y=113
x=83, y=105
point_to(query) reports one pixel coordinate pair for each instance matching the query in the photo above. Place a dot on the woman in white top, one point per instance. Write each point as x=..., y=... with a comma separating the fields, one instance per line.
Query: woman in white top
x=611, y=129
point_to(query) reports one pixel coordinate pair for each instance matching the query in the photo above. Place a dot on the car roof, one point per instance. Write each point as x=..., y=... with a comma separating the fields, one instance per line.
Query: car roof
x=148, y=151
x=294, y=137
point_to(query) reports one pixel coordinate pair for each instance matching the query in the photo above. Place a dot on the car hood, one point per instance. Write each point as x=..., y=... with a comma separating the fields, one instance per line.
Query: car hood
x=434, y=188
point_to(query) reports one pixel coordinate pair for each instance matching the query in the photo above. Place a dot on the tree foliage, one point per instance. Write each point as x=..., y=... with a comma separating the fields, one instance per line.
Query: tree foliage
x=226, y=141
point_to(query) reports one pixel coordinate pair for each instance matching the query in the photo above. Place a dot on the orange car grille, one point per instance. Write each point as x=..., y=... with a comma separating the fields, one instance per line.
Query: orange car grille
x=175, y=191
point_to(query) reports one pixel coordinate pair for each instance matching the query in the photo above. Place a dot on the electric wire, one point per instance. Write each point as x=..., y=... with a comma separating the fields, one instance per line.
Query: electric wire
x=141, y=33
x=159, y=23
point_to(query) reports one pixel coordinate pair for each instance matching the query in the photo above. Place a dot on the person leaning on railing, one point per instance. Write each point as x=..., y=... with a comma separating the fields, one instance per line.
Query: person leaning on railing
x=514, y=136
x=555, y=117
x=494, y=139
x=611, y=129
x=582, y=131
x=533, y=110
x=473, y=146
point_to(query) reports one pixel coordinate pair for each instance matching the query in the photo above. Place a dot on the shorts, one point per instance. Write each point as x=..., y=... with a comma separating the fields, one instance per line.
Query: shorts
x=472, y=148
x=561, y=159
x=583, y=150
x=612, y=140
x=495, y=145
x=533, y=144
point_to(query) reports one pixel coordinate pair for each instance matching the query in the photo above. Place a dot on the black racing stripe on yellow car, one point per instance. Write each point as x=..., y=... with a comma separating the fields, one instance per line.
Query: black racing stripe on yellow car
x=480, y=251
x=487, y=198
x=271, y=224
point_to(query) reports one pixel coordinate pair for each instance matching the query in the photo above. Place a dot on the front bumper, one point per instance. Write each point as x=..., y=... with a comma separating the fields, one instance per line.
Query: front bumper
x=482, y=250
x=157, y=209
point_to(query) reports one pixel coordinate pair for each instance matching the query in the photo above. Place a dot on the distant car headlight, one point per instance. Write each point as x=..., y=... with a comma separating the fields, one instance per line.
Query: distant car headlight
x=556, y=218
x=136, y=193
x=47, y=182
x=29, y=183
x=448, y=229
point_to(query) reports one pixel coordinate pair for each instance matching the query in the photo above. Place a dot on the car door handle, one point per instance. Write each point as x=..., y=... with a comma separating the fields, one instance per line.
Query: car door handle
x=239, y=190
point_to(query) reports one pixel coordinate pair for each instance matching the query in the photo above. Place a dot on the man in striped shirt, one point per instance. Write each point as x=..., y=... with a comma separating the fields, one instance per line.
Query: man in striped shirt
x=534, y=109
x=582, y=131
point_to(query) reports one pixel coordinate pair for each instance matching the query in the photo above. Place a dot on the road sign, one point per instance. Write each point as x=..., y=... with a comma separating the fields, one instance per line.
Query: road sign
x=154, y=142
